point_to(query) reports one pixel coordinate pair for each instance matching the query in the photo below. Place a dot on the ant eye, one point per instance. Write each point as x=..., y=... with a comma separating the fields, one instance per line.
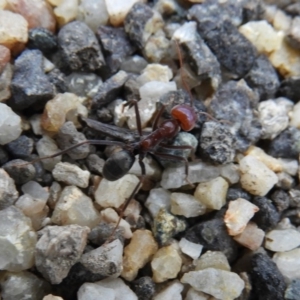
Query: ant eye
x=185, y=115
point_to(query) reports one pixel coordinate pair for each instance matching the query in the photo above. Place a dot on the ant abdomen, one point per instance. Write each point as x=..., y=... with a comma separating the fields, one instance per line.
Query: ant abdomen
x=185, y=115
x=118, y=165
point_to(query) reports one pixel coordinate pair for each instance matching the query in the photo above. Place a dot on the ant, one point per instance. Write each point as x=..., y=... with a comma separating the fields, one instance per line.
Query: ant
x=183, y=117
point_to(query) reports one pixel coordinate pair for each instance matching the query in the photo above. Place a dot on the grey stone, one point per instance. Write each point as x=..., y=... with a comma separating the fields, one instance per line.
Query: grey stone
x=22, y=147
x=290, y=88
x=8, y=192
x=293, y=290
x=281, y=200
x=42, y=39
x=58, y=249
x=30, y=84
x=58, y=79
x=293, y=35
x=95, y=164
x=144, y=287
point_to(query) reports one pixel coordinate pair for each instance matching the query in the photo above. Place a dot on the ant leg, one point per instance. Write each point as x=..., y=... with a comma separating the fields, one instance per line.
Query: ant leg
x=134, y=103
x=183, y=147
x=157, y=117
x=91, y=142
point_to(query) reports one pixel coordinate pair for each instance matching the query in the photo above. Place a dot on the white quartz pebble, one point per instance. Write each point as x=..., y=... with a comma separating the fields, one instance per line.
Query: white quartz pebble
x=157, y=199
x=282, y=240
x=172, y=292
x=191, y=249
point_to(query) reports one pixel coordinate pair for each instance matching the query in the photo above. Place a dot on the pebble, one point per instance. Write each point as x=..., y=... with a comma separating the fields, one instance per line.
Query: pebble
x=8, y=191
x=267, y=216
x=4, y=58
x=10, y=124
x=281, y=200
x=217, y=143
x=144, y=288
x=68, y=136
x=289, y=88
x=285, y=145
x=79, y=47
x=22, y=147
x=22, y=285
x=256, y=177
x=158, y=198
x=212, y=259
x=114, y=193
x=195, y=295
x=65, y=11
x=94, y=291
x=95, y=164
x=166, y=264
x=293, y=33
x=238, y=214
x=93, y=13
x=14, y=29
x=47, y=147
x=266, y=278
x=42, y=39
x=62, y=107
x=171, y=292
x=138, y=253
x=273, y=116
x=134, y=64
x=122, y=291
x=212, y=194
x=212, y=235
x=166, y=225
x=18, y=240
x=220, y=284
x=293, y=290
x=282, y=240
x=20, y=171
x=58, y=249
x=105, y=261
x=294, y=115
x=74, y=207
x=252, y=237
x=71, y=174
x=186, y=205
x=36, y=13
x=155, y=72
x=5, y=79
x=262, y=78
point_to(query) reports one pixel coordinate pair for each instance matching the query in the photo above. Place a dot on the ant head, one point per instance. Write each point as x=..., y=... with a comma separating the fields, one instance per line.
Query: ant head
x=185, y=115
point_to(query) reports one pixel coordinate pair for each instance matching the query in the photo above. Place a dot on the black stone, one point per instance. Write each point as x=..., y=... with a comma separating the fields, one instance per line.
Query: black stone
x=3, y=156
x=79, y=48
x=213, y=236
x=95, y=164
x=115, y=45
x=281, y=200
x=267, y=217
x=30, y=84
x=268, y=283
x=290, y=88
x=144, y=288
x=22, y=147
x=235, y=193
x=253, y=10
x=68, y=136
x=20, y=172
x=217, y=143
x=58, y=79
x=42, y=39
x=110, y=90
x=135, y=23
x=293, y=290
x=263, y=78
x=286, y=144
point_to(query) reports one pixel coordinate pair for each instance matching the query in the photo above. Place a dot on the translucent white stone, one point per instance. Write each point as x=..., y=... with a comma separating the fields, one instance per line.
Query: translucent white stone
x=186, y=205
x=8, y=191
x=221, y=284
x=256, y=177
x=193, y=250
x=52, y=297
x=157, y=199
x=17, y=240
x=36, y=191
x=213, y=193
x=288, y=264
x=166, y=264
x=93, y=13
x=114, y=193
x=10, y=124
x=91, y=291
x=282, y=240
x=238, y=214
x=66, y=11
x=155, y=72
x=74, y=207
x=212, y=259
x=172, y=292
x=195, y=295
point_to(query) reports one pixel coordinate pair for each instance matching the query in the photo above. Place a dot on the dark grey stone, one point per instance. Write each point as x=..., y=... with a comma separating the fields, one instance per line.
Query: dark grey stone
x=290, y=88
x=263, y=78
x=217, y=143
x=3, y=156
x=293, y=290
x=30, y=84
x=58, y=79
x=136, y=21
x=267, y=217
x=79, y=47
x=286, y=144
x=104, y=115
x=213, y=236
x=68, y=136
x=281, y=200
x=268, y=283
x=294, y=198
x=110, y=90
x=95, y=164
x=235, y=193
x=22, y=147
x=19, y=171
x=144, y=288
x=115, y=45
x=42, y=39
x=253, y=10
x=293, y=9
